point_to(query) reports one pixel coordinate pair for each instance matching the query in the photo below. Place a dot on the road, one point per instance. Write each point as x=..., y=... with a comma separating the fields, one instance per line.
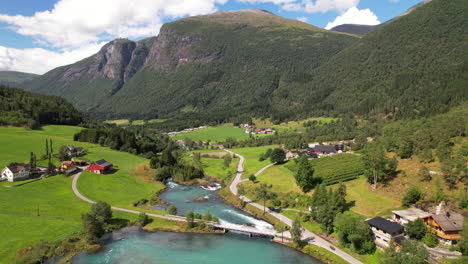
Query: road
x=308, y=236
x=82, y=197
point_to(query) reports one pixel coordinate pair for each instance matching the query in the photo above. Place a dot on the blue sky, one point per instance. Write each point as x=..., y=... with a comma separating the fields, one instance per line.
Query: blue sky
x=39, y=35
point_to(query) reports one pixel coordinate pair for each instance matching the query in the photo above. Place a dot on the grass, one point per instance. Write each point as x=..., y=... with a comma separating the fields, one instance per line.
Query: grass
x=292, y=125
x=312, y=227
x=59, y=209
x=369, y=203
x=215, y=134
x=251, y=155
x=215, y=167
x=281, y=178
x=124, y=122
x=117, y=188
x=59, y=214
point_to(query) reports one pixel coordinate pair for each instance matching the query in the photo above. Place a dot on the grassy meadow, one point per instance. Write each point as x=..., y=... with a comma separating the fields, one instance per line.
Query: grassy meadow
x=213, y=163
x=59, y=209
x=292, y=125
x=251, y=155
x=215, y=134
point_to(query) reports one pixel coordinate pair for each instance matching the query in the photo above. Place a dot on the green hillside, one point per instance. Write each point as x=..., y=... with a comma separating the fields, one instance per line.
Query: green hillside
x=20, y=108
x=222, y=64
x=414, y=66
x=251, y=63
x=14, y=78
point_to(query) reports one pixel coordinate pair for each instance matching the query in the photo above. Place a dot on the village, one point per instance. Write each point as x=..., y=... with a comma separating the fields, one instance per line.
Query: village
x=23, y=171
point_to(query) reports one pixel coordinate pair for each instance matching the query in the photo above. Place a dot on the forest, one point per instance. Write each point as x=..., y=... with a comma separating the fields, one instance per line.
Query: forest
x=21, y=108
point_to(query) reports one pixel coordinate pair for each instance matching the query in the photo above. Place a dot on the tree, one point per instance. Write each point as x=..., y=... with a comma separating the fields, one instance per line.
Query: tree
x=412, y=252
x=416, y=229
x=277, y=156
x=142, y=219
x=197, y=160
x=63, y=153
x=207, y=215
x=163, y=174
x=305, y=175
x=378, y=168
x=354, y=232
x=296, y=231
x=172, y=209
x=93, y=228
x=32, y=161
x=47, y=147
x=463, y=242
x=227, y=160
x=425, y=155
x=101, y=211
x=405, y=149
x=240, y=190
x=413, y=195
x=444, y=150
x=252, y=178
x=167, y=159
x=425, y=174
x=190, y=216
x=264, y=194
x=439, y=195
x=430, y=239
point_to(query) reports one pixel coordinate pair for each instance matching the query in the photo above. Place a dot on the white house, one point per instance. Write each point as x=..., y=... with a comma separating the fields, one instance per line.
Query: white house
x=385, y=231
x=16, y=172
x=403, y=217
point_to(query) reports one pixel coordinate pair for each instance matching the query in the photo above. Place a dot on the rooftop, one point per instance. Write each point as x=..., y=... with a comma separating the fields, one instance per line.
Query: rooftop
x=103, y=163
x=412, y=214
x=449, y=221
x=385, y=225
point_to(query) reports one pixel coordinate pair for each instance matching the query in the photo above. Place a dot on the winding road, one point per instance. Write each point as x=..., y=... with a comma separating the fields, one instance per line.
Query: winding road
x=308, y=236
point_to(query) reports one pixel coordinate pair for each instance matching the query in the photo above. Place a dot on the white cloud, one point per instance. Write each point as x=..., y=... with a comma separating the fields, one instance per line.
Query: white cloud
x=323, y=6
x=39, y=60
x=355, y=16
x=73, y=23
x=303, y=19
x=76, y=29
x=276, y=2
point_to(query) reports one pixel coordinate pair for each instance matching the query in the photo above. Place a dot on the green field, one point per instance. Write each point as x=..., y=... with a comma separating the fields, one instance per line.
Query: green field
x=212, y=166
x=124, y=122
x=59, y=208
x=251, y=155
x=281, y=178
x=369, y=203
x=215, y=134
x=293, y=125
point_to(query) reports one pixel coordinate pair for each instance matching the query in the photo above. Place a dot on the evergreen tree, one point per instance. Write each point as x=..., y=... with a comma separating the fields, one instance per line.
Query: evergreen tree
x=416, y=229
x=305, y=175
x=430, y=239
x=172, y=209
x=296, y=231
x=190, y=216
x=412, y=196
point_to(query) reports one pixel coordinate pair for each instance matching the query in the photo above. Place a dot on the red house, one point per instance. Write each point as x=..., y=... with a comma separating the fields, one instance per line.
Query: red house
x=100, y=167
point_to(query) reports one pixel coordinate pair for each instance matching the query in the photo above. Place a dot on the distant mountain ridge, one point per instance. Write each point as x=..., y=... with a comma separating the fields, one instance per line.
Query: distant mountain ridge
x=253, y=63
x=15, y=78
x=361, y=30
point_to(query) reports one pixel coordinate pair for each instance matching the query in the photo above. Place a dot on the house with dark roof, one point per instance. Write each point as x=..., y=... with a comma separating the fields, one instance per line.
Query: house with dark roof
x=73, y=151
x=100, y=167
x=445, y=224
x=326, y=149
x=16, y=172
x=385, y=231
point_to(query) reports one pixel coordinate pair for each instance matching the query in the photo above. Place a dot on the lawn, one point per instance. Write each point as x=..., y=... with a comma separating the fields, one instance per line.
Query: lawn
x=59, y=209
x=369, y=203
x=117, y=188
x=213, y=166
x=292, y=125
x=215, y=134
x=281, y=178
x=251, y=155
x=59, y=214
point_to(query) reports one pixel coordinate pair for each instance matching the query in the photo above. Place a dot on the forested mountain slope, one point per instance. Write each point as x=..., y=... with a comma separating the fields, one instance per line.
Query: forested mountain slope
x=253, y=63
x=21, y=108
x=414, y=66
x=219, y=63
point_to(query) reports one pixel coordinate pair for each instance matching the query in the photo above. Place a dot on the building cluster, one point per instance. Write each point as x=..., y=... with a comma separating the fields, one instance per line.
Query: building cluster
x=316, y=151
x=22, y=171
x=446, y=225
x=252, y=130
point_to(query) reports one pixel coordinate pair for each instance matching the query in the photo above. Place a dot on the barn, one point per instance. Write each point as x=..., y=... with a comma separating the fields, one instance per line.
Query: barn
x=100, y=167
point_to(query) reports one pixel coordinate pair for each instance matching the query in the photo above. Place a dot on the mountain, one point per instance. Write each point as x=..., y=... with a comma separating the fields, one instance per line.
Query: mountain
x=361, y=30
x=220, y=63
x=253, y=63
x=22, y=108
x=415, y=66
x=14, y=78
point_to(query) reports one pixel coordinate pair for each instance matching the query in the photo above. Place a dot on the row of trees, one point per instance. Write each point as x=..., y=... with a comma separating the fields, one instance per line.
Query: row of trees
x=168, y=165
